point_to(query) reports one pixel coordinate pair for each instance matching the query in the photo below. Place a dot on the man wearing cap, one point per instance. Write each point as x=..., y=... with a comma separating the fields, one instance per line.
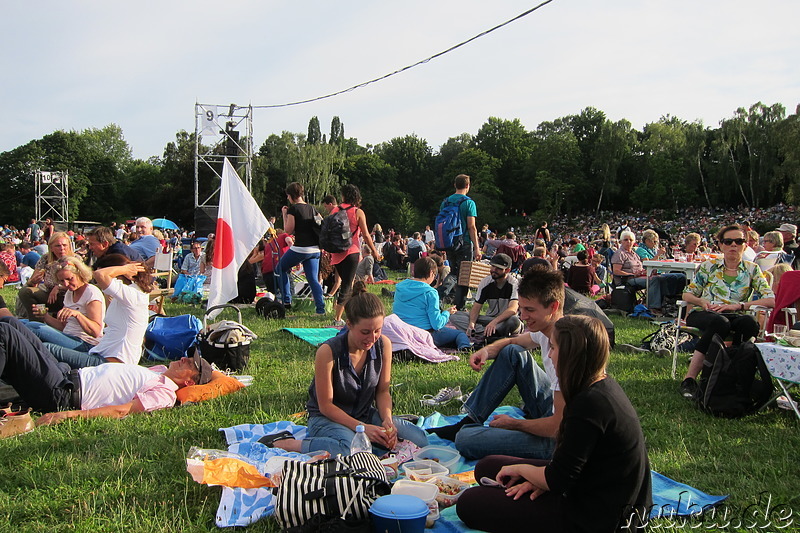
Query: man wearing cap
x=109, y=390
x=499, y=290
x=790, y=246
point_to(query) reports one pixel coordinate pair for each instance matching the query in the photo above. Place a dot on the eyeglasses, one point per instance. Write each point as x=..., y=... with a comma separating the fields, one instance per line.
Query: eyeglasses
x=728, y=242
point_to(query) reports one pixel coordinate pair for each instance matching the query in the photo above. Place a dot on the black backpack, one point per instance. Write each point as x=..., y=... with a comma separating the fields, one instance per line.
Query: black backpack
x=334, y=232
x=735, y=381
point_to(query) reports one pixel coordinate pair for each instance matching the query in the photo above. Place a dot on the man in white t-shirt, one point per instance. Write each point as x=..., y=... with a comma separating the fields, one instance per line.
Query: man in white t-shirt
x=541, y=302
x=430, y=238
x=108, y=390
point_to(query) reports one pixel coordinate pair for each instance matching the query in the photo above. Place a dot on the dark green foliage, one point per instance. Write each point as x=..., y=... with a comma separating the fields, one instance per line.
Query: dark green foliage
x=576, y=163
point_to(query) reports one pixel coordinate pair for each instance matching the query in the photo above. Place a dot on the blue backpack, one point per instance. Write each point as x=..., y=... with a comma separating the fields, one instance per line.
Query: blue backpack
x=447, y=226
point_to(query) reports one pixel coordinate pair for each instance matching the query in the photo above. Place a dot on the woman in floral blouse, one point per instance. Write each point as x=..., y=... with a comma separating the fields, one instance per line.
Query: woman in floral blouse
x=721, y=292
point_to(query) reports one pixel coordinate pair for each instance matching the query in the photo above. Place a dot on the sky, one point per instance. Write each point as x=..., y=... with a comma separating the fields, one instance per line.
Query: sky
x=72, y=65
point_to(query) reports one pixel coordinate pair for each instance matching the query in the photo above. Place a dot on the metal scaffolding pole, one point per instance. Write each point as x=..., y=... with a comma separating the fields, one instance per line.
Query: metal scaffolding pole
x=228, y=130
x=52, y=195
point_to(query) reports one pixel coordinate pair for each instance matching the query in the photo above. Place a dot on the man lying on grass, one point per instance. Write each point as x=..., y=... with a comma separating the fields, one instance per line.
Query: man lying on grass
x=541, y=303
x=110, y=390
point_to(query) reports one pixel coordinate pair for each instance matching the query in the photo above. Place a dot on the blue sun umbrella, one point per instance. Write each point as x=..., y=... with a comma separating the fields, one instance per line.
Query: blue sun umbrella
x=163, y=223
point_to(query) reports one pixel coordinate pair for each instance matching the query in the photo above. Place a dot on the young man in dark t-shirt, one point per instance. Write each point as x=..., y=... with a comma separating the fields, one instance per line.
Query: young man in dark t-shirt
x=499, y=291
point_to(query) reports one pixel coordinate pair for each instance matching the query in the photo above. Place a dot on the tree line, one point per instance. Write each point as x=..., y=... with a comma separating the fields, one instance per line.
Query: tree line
x=577, y=163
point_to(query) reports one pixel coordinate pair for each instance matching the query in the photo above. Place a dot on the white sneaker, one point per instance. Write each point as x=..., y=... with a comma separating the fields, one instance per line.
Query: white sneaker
x=339, y=323
x=442, y=397
x=786, y=403
x=463, y=400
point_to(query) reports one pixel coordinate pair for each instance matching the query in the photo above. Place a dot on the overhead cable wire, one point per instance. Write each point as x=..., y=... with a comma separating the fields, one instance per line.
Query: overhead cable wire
x=409, y=67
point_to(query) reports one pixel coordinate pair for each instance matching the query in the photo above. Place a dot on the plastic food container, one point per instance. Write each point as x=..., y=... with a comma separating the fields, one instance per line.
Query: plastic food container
x=449, y=489
x=399, y=513
x=447, y=457
x=423, y=470
x=427, y=492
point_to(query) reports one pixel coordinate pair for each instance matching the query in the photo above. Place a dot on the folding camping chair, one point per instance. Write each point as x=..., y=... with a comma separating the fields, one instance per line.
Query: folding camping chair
x=162, y=267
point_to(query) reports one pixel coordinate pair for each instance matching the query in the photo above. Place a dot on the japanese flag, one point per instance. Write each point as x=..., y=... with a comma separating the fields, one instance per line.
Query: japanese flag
x=240, y=226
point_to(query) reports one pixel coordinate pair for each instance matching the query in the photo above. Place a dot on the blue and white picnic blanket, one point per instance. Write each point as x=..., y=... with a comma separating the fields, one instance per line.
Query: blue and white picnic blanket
x=242, y=507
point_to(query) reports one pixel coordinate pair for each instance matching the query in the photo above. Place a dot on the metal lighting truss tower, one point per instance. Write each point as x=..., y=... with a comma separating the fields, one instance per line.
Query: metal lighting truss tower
x=52, y=195
x=228, y=132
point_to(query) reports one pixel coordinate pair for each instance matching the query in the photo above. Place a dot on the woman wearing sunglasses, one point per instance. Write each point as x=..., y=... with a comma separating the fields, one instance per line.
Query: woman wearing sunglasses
x=721, y=292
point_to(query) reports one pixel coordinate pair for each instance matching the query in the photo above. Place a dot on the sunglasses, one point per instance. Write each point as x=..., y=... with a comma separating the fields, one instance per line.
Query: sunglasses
x=737, y=242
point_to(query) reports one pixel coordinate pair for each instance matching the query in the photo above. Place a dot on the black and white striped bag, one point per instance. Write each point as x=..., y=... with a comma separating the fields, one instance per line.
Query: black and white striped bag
x=343, y=487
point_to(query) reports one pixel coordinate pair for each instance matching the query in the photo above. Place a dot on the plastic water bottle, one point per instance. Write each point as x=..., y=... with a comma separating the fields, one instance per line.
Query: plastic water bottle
x=360, y=442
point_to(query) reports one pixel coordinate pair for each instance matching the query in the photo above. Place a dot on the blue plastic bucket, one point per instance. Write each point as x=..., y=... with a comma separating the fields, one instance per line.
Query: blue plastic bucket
x=398, y=513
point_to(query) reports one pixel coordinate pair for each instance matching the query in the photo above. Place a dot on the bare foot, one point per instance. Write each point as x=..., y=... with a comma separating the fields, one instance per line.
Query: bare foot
x=290, y=445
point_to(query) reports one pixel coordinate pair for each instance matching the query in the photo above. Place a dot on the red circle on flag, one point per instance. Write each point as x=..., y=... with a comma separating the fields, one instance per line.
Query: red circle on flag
x=223, y=245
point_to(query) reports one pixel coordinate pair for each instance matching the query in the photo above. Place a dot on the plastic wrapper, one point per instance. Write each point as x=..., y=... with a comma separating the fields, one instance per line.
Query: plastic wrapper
x=220, y=467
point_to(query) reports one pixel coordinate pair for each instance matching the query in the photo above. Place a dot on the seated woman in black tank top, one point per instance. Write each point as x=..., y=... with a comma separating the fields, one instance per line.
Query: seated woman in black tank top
x=352, y=372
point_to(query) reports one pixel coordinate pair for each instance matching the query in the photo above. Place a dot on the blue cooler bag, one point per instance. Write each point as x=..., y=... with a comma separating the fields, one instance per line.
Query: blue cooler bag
x=169, y=337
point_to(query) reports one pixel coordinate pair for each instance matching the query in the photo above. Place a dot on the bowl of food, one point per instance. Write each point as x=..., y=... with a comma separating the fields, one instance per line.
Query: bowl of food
x=449, y=489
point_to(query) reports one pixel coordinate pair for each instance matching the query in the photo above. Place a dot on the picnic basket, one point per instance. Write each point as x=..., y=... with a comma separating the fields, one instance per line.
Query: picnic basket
x=470, y=273
x=222, y=345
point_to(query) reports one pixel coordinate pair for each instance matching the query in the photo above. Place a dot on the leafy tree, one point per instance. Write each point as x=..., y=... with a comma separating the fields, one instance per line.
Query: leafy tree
x=668, y=158
x=314, y=133
x=412, y=158
x=787, y=175
x=408, y=217
x=337, y=131
x=556, y=157
x=509, y=142
x=482, y=170
x=318, y=168
x=613, y=144
x=377, y=181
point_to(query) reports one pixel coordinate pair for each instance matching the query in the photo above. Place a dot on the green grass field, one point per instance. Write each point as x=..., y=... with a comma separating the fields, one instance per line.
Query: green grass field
x=129, y=475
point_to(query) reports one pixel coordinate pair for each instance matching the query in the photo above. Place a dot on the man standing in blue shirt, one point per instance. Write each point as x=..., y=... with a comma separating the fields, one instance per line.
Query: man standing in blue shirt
x=469, y=250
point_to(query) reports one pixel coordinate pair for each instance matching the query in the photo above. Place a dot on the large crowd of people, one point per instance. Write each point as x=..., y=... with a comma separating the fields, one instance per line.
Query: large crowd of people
x=576, y=461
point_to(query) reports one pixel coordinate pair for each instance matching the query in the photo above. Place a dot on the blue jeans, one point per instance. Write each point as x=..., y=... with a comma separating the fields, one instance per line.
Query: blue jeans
x=26, y=365
x=311, y=269
x=325, y=434
x=74, y=358
x=512, y=366
x=660, y=285
x=51, y=335
x=451, y=281
x=448, y=337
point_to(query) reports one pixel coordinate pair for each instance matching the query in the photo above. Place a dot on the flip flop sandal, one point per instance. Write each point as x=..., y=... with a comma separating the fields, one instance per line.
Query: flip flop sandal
x=270, y=440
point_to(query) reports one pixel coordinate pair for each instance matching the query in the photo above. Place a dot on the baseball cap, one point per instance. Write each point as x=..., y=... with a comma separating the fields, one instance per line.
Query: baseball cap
x=204, y=367
x=500, y=261
x=791, y=228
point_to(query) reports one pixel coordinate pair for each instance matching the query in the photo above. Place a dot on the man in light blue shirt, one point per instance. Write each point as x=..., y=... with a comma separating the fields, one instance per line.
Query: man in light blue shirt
x=147, y=244
x=193, y=265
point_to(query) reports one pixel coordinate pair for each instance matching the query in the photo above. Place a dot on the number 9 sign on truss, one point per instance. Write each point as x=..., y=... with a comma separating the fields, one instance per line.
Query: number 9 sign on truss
x=208, y=114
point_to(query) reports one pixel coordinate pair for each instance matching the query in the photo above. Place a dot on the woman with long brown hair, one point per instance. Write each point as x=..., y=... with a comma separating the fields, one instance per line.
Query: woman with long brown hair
x=352, y=372
x=599, y=477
